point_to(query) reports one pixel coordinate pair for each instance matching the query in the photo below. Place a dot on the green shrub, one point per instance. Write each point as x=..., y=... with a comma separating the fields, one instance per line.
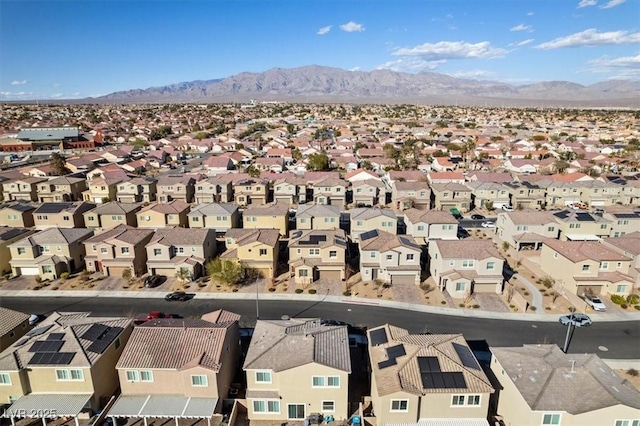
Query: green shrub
x=633, y=372
x=461, y=305
x=64, y=275
x=617, y=299
x=633, y=299
x=346, y=293
x=444, y=302
x=624, y=306
x=533, y=308
x=298, y=290
x=272, y=289
x=476, y=306
x=38, y=280
x=637, y=307
x=312, y=291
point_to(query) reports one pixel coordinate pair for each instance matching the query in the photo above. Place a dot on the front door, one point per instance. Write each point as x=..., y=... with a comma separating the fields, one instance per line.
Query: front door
x=295, y=411
x=374, y=273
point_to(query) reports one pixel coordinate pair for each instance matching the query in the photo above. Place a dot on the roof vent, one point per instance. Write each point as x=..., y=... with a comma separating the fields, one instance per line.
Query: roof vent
x=285, y=318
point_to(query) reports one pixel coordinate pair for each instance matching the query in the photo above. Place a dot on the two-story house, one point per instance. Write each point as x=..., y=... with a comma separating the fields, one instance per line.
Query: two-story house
x=164, y=215
x=178, y=369
x=274, y=215
x=112, y=214
x=175, y=250
x=65, y=367
x=62, y=188
x=623, y=222
x=410, y=194
x=330, y=191
x=447, y=196
x=115, y=250
x=630, y=193
x=22, y=189
x=175, y=187
x=290, y=189
x=541, y=385
x=212, y=190
x=317, y=255
x=255, y=249
x=9, y=236
x=13, y=325
x=426, y=225
x=560, y=194
x=218, y=216
x=61, y=215
x=599, y=194
x=17, y=214
x=526, y=229
x=586, y=267
x=426, y=379
x=364, y=219
x=49, y=253
x=368, y=193
x=388, y=257
x=137, y=190
x=251, y=192
x=290, y=373
x=102, y=189
x=317, y=216
x=526, y=195
x=628, y=245
x=488, y=194
x=581, y=225
x=464, y=267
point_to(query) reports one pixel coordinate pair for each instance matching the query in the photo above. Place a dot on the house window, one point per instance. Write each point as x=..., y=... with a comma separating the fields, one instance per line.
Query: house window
x=372, y=254
x=621, y=288
x=199, y=380
x=468, y=263
x=401, y=405
x=263, y=252
x=491, y=265
x=252, y=219
x=420, y=227
x=21, y=250
x=359, y=223
x=574, y=225
x=124, y=250
x=103, y=250
x=333, y=381
x=619, y=265
x=180, y=250
x=145, y=218
x=333, y=253
x=46, y=269
x=157, y=252
x=5, y=379
x=603, y=226
x=457, y=400
x=172, y=217
x=389, y=256
x=146, y=376
x=627, y=423
x=551, y=229
x=195, y=219
x=132, y=376
x=318, y=381
x=263, y=377
x=555, y=255
x=266, y=406
x=303, y=220
x=460, y=286
x=303, y=272
x=550, y=419
x=329, y=406
x=69, y=375
x=604, y=265
x=473, y=399
x=585, y=268
x=91, y=218
x=314, y=252
x=387, y=224
x=12, y=217
x=409, y=256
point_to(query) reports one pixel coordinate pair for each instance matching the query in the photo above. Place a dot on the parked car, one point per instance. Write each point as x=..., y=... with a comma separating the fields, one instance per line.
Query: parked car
x=35, y=318
x=177, y=295
x=572, y=206
x=507, y=208
x=152, y=281
x=488, y=225
x=456, y=213
x=477, y=217
x=599, y=212
x=577, y=320
x=595, y=302
x=582, y=206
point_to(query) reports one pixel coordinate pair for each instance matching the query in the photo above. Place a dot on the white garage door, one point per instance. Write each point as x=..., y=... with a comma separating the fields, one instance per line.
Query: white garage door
x=29, y=271
x=403, y=279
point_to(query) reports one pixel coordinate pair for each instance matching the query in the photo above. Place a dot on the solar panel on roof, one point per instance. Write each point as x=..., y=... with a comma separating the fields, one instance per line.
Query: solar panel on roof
x=46, y=346
x=104, y=341
x=562, y=215
x=318, y=237
x=428, y=364
x=52, y=358
x=584, y=217
x=369, y=234
x=40, y=330
x=378, y=337
x=53, y=207
x=95, y=331
x=467, y=358
x=55, y=336
x=443, y=380
x=22, y=341
x=387, y=363
x=396, y=351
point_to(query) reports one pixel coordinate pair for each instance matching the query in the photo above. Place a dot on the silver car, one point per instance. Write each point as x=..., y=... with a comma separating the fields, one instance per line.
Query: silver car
x=595, y=302
x=577, y=320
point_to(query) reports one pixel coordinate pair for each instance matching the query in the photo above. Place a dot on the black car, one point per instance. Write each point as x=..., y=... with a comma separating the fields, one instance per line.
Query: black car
x=152, y=281
x=477, y=217
x=177, y=295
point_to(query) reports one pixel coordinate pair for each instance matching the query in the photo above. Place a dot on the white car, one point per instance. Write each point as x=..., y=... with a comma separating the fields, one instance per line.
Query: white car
x=507, y=208
x=488, y=225
x=577, y=320
x=595, y=302
x=573, y=206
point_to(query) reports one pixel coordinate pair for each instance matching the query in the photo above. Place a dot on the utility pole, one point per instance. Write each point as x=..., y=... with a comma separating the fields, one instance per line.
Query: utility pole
x=257, y=301
x=570, y=329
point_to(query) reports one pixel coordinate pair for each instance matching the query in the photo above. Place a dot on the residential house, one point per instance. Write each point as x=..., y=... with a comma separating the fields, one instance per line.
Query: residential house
x=212, y=190
x=317, y=216
x=394, y=259
x=17, y=214
x=112, y=214
x=599, y=194
x=521, y=165
x=630, y=193
x=62, y=215
x=102, y=189
x=623, y=221
x=13, y=325
x=137, y=190
x=426, y=379
x=9, y=236
x=296, y=367
x=65, y=367
x=526, y=229
x=488, y=195
x=179, y=369
x=218, y=164
x=175, y=187
x=526, y=195
x=218, y=216
x=330, y=191
x=541, y=385
x=269, y=216
x=269, y=164
x=164, y=215
x=445, y=177
x=447, y=196
x=464, y=267
x=406, y=195
x=561, y=194
x=427, y=225
x=368, y=193
x=587, y=267
x=22, y=189
x=49, y=253
x=317, y=255
x=180, y=252
x=364, y=219
x=292, y=190
x=251, y=191
x=118, y=249
x=629, y=245
x=581, y=225
x=63, y=188
x=255, y=249
x=361, y=175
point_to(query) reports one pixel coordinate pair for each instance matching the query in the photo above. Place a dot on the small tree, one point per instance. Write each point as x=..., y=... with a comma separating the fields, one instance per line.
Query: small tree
x=319, y=161
x=127, y=274
x=505, y=245
x=253, y=171
x=488, y=205
x=183, y=274
x=59, y=164
x=231, y=272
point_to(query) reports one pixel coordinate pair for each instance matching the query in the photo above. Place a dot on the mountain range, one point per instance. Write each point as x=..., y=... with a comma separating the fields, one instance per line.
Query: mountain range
x=325, y=84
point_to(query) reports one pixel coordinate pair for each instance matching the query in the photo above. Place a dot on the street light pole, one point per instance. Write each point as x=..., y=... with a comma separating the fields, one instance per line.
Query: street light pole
x=257, y=302
x=570, y=328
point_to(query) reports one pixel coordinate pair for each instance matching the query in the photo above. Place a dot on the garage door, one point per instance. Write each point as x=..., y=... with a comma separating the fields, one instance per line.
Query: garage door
x=329, y=275
x=29, y=271
x=115, y=271
x=167, y=272
x=403, y=279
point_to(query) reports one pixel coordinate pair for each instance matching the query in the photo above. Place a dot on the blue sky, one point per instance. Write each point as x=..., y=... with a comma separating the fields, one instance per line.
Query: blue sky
x=80, y=48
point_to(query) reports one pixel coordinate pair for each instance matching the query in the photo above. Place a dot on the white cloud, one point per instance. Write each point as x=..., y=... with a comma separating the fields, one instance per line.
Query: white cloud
x=57, y=95
x=352, y=27
x=529, y=13
x=18, y=82
x=612, y=3
x=410, y=64
x=16, y=95
x=522, y=27
x=591, y=37
x=621, y=62
x=355, y=69
x=473, y=74
x=525, y=42
x=587, y=3
x=324, y=30
x=451, y=50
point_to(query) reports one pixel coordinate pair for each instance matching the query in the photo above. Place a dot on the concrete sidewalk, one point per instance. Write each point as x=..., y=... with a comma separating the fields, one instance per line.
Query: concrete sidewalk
x=471, y=313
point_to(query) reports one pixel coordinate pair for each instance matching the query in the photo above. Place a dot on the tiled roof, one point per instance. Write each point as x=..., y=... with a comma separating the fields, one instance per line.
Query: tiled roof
x=577, y=251
x=115, y=207
x=210, y=209
x=124, y=233
x=530, y=217
x=317, y=210
x=430, y=216
x=182, y=236
x=281, y=345
x=384, y=241
x=550, y=380
x=175, y=206
x=628, y=242
x=244, y=236
x=10, y=319
x=272, y=209
x=469, y=248
x=366, y=213
x=331, y=238
x=54, y=236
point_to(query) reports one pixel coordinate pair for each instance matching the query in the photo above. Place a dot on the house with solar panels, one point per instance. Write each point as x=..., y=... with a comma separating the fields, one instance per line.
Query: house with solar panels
x=65, y=367
x=580, y=225
x=425, y=379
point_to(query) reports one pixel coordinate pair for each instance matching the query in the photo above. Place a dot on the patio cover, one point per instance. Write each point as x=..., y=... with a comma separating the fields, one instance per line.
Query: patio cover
x=163, y=406
x=444, y=422
x=49, y=405
x=582, y=237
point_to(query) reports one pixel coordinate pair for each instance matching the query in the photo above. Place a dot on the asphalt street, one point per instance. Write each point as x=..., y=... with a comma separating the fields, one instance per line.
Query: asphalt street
x=610, y=340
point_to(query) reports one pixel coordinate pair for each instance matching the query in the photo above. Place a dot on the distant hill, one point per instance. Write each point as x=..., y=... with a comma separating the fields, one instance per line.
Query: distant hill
x=325, y=84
